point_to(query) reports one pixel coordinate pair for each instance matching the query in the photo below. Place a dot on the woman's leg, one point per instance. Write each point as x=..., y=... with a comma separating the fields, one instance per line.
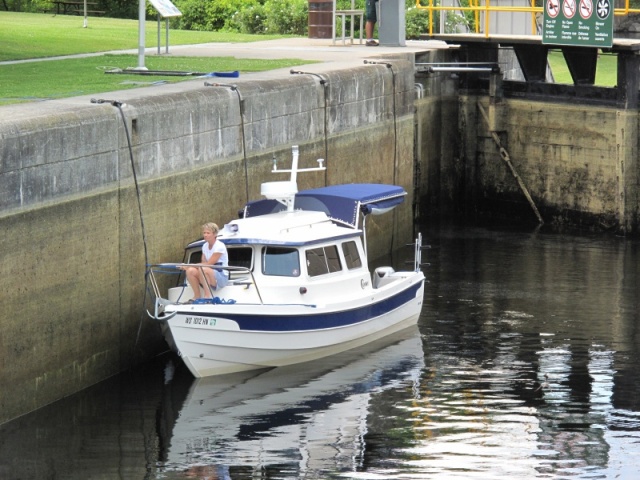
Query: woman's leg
x=194, y=279
x=201, y=278
x=209, y=279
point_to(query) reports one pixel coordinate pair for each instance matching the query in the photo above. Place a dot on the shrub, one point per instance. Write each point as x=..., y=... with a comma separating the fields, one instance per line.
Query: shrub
x=124, y=9
x=249, y=19
x=290, y=17
x=210, y=15
x=194, y=15
x=29, y=6
x=246, y=16
x=220, y=13
x=417, y=23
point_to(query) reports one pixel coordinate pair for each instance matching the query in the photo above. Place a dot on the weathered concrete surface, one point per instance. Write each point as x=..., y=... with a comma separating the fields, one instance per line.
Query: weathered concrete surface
x=574, y=147
x=72, y=249
x=578, y=162
x=437, y=141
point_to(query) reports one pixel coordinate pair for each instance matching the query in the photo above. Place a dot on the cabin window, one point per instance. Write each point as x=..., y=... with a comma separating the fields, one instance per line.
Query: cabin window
x=281, y=261
x=323, y=260
x=240, y=256
x=194, y=256
x=351, y=255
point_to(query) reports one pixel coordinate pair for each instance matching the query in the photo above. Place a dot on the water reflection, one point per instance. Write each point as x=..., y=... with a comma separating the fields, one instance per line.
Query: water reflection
x=526, y=365
x=526, y=350
x=302, y=419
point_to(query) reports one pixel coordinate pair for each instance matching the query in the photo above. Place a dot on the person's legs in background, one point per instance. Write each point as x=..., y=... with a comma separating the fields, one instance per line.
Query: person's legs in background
x=372, y=18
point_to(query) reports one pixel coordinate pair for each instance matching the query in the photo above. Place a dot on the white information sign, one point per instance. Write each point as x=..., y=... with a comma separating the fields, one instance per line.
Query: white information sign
x=165, y=8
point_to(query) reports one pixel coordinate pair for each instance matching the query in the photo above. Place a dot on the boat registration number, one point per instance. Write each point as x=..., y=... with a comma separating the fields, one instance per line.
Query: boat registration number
x=200, y=321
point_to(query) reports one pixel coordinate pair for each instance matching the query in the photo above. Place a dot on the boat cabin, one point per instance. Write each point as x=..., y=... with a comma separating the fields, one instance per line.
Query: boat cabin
x=284, y=261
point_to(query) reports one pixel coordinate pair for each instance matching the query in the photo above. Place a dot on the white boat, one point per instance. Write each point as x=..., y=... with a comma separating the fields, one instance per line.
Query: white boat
x=311, y=417
x=300, y=287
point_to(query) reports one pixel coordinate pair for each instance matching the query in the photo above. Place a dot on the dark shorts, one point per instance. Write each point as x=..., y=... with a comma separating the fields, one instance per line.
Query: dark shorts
x=370, y=11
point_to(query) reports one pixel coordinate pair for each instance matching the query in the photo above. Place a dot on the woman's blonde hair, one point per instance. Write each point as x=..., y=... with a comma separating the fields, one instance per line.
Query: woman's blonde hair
x=212, y=227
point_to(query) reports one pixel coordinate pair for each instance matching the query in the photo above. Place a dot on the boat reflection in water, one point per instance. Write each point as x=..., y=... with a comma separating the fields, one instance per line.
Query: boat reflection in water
x=299, y=420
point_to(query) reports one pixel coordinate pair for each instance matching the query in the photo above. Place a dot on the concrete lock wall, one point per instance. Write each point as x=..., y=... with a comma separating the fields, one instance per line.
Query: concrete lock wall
x=578, y=159
x=438, y=161
x=578, y=162
x=72, y=249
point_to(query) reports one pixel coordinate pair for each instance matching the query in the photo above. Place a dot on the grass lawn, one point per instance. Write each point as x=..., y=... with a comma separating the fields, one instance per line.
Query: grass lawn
x=26, y=36
x=606, y=69
x=34, y=81
x=32, y=35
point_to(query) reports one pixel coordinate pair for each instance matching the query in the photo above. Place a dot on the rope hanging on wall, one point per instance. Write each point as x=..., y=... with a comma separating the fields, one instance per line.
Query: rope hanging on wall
x=507, y=159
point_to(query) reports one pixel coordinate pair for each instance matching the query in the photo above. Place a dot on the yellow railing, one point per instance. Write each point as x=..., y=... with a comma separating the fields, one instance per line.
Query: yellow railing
x=487, y=9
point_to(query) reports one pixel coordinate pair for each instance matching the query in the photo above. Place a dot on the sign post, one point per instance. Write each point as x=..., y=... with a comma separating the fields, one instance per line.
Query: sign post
x=165, y=9
x=582, y=23
x=142, y=18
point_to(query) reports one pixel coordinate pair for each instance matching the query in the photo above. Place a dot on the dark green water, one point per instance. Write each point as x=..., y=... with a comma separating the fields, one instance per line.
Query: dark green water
x=525, y=364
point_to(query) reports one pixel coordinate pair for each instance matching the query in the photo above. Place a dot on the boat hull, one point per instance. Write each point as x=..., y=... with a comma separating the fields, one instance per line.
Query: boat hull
x=333, y=394
x=216, y=340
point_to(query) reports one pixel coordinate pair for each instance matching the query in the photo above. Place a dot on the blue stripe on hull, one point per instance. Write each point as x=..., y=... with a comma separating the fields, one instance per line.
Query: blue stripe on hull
x=283, y=323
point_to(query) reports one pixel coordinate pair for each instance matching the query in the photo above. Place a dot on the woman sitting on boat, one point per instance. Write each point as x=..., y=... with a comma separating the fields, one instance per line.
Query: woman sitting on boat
x=214, y=252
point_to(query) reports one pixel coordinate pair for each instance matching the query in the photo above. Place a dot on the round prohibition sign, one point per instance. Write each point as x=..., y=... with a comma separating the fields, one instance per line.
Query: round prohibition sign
x=603, y=7
x=553, y=8
x=569, y=8
x=586, y=9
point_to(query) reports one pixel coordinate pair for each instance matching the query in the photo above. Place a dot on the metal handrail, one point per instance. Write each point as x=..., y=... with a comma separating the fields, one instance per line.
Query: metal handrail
x=488, y=9
x=176, y=268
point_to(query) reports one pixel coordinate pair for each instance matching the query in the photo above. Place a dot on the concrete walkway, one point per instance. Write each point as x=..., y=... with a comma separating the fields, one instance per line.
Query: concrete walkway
x=323, y=55
x=322, y=50
x=314, y=50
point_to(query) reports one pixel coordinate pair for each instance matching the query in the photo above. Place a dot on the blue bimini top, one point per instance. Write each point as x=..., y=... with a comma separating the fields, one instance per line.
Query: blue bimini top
x=341, y=203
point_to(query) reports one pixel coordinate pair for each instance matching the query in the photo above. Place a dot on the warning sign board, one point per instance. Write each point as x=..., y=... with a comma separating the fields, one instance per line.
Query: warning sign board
x=586, y=23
